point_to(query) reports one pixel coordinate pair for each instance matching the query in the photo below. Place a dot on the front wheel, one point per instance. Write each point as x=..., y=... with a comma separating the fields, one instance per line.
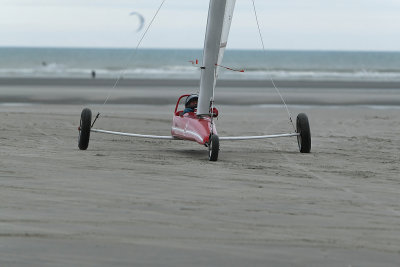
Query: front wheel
x=303, y=128
x=84, y=129
x=213, y=148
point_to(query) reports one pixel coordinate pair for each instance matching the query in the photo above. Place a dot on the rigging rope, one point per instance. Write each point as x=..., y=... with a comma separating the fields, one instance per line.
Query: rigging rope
x=134, y=53
x=270, y=77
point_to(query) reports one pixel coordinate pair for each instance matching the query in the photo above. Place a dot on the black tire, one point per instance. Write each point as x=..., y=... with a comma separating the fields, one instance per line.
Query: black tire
x=304, y=139
x=213, y=148
x=84, y=129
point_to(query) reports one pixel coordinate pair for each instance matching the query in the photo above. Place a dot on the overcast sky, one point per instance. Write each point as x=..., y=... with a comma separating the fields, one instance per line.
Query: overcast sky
x=286, y=24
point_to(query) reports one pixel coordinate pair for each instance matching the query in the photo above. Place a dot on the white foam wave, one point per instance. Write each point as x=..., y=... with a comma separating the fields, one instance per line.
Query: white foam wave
x=189, y=72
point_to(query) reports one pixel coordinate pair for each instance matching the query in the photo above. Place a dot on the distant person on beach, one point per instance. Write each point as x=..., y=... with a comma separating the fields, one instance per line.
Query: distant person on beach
x=93, y=74
x=44, y=64
x=191, y=103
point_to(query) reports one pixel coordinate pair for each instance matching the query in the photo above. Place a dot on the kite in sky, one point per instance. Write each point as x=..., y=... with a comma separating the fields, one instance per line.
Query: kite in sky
x=141, y=20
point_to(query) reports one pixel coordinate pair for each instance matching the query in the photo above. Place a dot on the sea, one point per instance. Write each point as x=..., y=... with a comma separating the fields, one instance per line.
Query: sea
x=28, y=62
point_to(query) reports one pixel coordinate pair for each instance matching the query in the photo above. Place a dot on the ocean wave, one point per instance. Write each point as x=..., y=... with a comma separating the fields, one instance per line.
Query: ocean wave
x=53, y=70
x=174, y=64
x=356, y=75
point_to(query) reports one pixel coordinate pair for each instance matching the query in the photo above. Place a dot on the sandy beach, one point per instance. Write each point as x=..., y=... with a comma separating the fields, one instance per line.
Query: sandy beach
x=135, y=202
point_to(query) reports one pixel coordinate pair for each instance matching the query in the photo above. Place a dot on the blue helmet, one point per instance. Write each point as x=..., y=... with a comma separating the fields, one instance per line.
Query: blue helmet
x=190, y=99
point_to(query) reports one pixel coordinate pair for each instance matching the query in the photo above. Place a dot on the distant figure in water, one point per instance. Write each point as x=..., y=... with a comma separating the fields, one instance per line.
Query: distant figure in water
x=44, y=64
x=93, y=74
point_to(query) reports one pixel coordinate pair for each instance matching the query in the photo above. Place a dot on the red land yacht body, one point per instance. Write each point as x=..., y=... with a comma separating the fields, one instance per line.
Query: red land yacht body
x=191, y=127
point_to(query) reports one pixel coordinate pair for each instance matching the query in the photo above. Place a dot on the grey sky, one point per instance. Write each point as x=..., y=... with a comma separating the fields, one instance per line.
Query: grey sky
x=286, y=24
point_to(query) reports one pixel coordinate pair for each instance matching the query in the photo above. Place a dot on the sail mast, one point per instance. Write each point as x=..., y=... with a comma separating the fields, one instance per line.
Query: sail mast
x=218, y=24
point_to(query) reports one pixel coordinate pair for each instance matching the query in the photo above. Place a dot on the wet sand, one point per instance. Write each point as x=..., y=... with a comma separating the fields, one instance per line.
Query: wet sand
x=135, y=202
x=165, y=92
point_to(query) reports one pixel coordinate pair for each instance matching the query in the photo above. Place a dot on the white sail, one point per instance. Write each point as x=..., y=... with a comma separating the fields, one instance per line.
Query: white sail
x=218, y=25
x=230, y=6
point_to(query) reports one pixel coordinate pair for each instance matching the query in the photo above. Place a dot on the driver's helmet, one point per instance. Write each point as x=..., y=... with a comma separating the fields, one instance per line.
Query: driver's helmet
x=190, y=99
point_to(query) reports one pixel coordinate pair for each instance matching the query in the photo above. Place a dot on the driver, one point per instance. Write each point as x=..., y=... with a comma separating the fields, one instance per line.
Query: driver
x=191, y=103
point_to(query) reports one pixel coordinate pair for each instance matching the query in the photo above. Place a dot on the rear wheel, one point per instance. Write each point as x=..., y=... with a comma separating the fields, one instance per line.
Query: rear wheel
x=213, y=148
x=303, y=128
x=84, y=129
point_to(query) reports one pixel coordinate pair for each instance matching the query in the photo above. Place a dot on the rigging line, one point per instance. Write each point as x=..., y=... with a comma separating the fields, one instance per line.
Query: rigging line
x=134, y=52
x=270, y=77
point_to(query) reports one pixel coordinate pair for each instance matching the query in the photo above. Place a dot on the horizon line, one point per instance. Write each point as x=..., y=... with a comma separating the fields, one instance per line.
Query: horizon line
x=186, y=48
